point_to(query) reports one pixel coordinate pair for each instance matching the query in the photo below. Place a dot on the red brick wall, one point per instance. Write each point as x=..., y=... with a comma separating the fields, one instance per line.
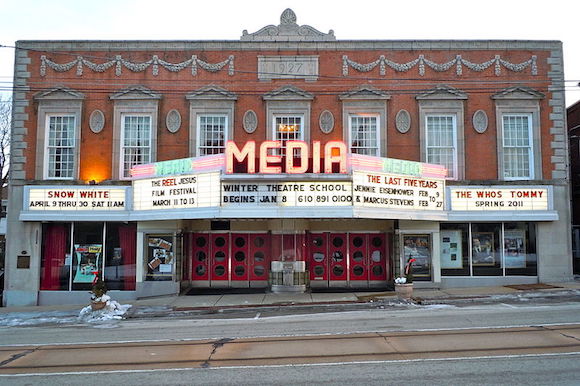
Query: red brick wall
x=481, y=157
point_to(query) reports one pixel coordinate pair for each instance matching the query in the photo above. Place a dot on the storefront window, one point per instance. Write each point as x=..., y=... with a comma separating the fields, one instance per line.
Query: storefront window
x=494, y=249
x=75, y=264
x=519, y=249
x=56, y=257
x=455, y=250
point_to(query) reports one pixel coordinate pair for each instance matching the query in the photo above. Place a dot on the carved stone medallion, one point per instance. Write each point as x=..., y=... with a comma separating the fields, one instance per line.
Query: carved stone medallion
x=403, y=121
x=480, y=121
x=173, y=121
x=326, y=121
x=97, y=121
x=250, y=122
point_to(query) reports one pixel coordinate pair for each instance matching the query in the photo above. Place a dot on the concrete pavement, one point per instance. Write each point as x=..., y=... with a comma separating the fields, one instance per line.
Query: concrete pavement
x=185, y=302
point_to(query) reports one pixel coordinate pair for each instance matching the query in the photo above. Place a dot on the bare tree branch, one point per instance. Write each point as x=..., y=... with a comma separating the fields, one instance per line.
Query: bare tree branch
x=5, y=121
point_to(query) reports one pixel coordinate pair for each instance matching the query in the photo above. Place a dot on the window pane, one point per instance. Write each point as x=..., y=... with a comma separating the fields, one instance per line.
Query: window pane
x=517, y=156
x=136, y=142
x=441, y=150
x=287, y=128
x=454, y=249
x=56, y=257
x=61, y=147
x=364, y=135
x=212, y=134
x=519, y=248
x=121, y=244
x=485, y=249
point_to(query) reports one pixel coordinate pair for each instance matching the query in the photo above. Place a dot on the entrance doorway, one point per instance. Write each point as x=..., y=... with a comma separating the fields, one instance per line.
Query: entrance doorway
x=355, y=260
x=243, y=260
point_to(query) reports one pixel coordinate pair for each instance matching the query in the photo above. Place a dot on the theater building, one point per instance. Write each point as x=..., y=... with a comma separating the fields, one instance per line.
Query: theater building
x=286, y=160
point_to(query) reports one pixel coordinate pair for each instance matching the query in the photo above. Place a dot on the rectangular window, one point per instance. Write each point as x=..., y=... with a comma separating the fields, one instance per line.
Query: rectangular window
x=488, y=249
x=364, y=134
x=212, y=134
x=442, y=142
x=288, y=128
x=517, y=147
x=73, y=254
x=135, y=142
x=60, y=150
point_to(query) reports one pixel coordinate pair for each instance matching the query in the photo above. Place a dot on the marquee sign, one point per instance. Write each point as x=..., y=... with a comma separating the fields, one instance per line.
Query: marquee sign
x=71, y=198
x=498, y=198
x=392, y=191
x=293, y=193
x=177, y=192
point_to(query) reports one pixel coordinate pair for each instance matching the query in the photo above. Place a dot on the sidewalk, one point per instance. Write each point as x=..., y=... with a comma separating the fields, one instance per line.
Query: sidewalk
x=174, y=303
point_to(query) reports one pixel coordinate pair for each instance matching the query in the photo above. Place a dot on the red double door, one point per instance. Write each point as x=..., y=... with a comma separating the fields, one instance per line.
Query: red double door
x=230, y=259
x=358, y=260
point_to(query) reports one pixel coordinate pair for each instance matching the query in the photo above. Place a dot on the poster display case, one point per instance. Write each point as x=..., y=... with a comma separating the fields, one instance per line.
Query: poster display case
x=451, y=249
x=160, y=257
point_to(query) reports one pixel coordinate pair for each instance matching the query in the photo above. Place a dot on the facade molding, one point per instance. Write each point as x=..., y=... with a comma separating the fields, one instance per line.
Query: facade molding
x=119, y=63
x=287, y=30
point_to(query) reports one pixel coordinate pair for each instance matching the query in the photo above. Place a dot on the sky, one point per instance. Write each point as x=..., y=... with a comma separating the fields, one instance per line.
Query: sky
x=226, y=19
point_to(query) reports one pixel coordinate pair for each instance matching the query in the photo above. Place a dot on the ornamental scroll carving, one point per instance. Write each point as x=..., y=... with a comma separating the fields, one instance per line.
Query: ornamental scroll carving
x=403, y=121
x=119, y=63
x=480, y=121
x=173, y=121
x=97, y=121
x=326, y=121
x=250, y=121
x=421, y=62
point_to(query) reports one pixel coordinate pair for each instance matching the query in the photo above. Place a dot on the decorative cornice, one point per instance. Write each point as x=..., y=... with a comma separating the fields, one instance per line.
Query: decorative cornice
x=364, y=92
x=135, y=93
x=288, y=30
x=442, y=92
x=288, y=92
x=60, y=93
x=119, y=63
x=421, y=62
x=518, y=92
x=211, y=92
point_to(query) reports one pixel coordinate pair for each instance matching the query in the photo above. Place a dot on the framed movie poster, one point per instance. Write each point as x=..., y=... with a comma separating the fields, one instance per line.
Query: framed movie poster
x=514, y=248
x=160, y=257
x=87, y=261
x=451, y=249
x=418, y=247
x=482, y=248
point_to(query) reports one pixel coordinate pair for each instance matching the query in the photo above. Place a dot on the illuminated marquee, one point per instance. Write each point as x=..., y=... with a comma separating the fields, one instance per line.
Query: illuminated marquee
x=334, y=153
x=177, y=192
x=73, y=199
x=392, y=191
x=491, y=199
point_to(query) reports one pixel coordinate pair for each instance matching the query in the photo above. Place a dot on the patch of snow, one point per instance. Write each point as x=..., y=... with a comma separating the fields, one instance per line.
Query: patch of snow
x=112, y=311
x=14, y=319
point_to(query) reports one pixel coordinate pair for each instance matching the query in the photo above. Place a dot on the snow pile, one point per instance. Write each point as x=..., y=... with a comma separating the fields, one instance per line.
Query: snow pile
x=112, y=311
